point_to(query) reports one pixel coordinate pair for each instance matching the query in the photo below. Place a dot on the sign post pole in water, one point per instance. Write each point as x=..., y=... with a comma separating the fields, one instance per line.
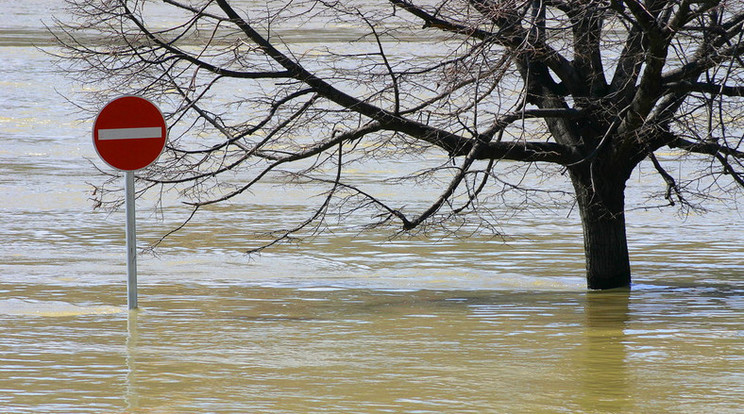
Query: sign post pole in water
x=131, y=241
x=129, y=134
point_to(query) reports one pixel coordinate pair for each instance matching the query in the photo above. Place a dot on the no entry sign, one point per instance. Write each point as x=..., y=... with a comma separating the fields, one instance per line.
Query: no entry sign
x=129, y=133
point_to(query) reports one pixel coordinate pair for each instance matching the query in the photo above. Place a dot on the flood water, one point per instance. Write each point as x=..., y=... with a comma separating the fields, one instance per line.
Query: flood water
x=346, y=322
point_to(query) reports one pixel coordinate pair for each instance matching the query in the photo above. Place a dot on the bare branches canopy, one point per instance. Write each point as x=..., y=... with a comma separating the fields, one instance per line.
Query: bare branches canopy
x=308, y=87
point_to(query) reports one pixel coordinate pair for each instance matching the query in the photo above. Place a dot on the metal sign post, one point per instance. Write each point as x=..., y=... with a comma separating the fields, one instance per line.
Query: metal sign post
x=131, y=241
x=129, y=134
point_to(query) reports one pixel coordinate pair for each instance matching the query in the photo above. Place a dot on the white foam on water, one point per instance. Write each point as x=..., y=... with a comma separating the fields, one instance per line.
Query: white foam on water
x=20, y=307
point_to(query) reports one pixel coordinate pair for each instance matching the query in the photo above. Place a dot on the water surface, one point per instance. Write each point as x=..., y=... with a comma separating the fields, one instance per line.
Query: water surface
x=349, y=321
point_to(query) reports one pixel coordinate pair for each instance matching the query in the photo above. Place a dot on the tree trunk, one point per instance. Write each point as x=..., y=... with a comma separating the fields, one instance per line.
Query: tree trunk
x=601, y=200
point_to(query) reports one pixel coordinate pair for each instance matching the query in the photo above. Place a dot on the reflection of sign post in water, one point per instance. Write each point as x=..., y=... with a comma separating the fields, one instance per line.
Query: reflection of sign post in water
x=129, y=134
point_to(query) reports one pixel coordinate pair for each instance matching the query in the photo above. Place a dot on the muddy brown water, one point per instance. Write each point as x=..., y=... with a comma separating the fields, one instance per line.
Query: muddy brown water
x=346, y=322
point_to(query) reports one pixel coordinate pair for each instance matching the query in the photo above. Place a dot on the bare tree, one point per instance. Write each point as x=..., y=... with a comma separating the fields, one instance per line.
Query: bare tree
x=590, y=87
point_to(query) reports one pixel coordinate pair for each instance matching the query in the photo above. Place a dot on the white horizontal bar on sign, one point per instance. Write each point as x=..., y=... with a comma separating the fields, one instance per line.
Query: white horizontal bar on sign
x=130, y=133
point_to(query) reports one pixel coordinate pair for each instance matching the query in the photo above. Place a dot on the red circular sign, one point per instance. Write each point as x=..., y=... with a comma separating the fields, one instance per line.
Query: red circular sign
x=129, y=133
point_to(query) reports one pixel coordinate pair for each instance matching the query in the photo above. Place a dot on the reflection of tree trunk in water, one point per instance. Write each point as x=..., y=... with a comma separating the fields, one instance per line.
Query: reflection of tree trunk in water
x=605, y=370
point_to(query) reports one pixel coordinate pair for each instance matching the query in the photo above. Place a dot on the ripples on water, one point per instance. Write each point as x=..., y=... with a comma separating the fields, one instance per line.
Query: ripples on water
x=236, y=348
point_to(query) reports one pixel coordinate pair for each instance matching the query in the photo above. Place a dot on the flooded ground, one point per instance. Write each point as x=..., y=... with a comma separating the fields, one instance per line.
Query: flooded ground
x=346, y=322
x=236, y=348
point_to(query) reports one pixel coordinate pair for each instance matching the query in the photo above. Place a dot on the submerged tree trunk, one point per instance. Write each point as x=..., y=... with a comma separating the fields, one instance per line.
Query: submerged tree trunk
x=601, y=201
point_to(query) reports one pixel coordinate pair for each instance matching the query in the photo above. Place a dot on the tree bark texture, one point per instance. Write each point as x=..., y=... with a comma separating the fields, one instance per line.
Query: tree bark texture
x=601, y=205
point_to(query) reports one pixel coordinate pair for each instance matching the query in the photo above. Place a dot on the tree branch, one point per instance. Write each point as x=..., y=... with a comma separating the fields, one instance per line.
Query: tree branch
x=319, y=212
x=510, y=35
x=708, y=148
x=178, y=54
x=705, y=87
x=670, y=182
x=310, y=152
